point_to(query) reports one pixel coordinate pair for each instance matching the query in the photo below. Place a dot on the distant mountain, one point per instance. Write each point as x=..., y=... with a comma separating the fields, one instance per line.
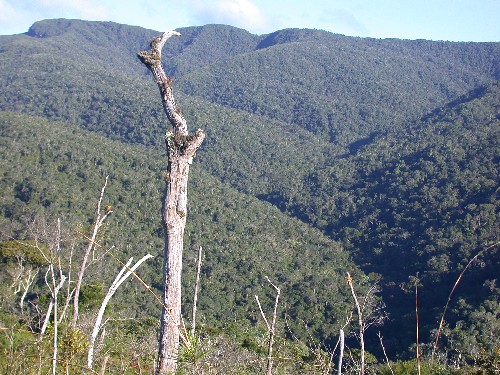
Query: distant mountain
x=344, y=88
x=387, y=147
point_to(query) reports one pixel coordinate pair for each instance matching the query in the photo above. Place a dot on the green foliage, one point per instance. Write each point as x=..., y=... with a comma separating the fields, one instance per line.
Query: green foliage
x=321, y=150
x=92, y=294
x=30, y=251
x=195, y=351
x=410, y=368
x=14, y=338
x=245, y=237
x=72, y=344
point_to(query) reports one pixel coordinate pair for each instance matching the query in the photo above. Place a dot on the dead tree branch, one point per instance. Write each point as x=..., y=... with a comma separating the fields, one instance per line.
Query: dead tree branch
x=271, y=328
x=99, y=220
x=361, y=324
x=441, y=320
x=124, y=273
x=196, y=290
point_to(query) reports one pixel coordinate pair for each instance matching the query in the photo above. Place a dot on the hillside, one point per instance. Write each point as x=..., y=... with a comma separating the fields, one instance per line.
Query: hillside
x=321, y=150
x=242, y=237
x=424, y=203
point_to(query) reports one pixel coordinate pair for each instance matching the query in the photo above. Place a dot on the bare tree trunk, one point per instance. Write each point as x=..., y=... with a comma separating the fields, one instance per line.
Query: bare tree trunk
x=341, y=355
x=54, y=287
x=69, y=291
x=418, y=323
x=271, y=328
x=23, y=279
x=385, y=354
x=181, y=148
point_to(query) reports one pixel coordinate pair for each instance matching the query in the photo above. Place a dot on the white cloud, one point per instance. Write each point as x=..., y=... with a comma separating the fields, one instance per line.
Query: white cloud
x=243, y=10
x=343, y=22
x=240, y=13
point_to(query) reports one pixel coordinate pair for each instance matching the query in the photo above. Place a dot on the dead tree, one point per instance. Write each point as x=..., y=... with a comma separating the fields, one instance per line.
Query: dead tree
x=181, y=148
x=23, y=278
x=370, y=312
x=54, y=280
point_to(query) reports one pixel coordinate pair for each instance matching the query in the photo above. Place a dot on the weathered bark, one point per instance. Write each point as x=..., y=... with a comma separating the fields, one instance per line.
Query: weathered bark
x=181, y=148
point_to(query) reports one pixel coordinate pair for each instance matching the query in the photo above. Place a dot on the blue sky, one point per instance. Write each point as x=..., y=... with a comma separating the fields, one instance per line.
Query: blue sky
x=454, y=20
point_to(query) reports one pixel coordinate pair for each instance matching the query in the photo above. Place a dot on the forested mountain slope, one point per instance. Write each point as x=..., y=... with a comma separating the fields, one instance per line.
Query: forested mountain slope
x=345, y=88
x=54, y=170
x=388, y=147
x=424, y=202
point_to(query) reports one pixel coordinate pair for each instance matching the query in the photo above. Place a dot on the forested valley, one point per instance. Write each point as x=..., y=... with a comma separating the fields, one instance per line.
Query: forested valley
x=325, y=156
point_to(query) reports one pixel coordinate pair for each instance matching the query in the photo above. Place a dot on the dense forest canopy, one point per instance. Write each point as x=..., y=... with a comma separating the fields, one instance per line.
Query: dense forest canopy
x=324, y=154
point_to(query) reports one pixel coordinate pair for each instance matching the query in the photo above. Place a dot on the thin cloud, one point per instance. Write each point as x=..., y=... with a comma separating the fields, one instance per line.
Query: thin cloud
x=9, y=15
x=343, y=22
x=241, y=13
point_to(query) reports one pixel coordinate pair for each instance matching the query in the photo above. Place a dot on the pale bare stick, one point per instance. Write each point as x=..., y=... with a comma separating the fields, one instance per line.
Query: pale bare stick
x=124, y=273
x=196, y=290
x=270, y=327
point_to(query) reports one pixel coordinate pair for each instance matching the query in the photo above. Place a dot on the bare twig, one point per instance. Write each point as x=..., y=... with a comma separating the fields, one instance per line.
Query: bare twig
x=441, y=321
x=99, y=220
x=54, y=288
x=270, y=327
x=196, y=290
x=417, y=325
x=183, y=336
x=23, y=278
x=385, y=354
x=361, y=324
x=69, y=291
x=340, y=342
